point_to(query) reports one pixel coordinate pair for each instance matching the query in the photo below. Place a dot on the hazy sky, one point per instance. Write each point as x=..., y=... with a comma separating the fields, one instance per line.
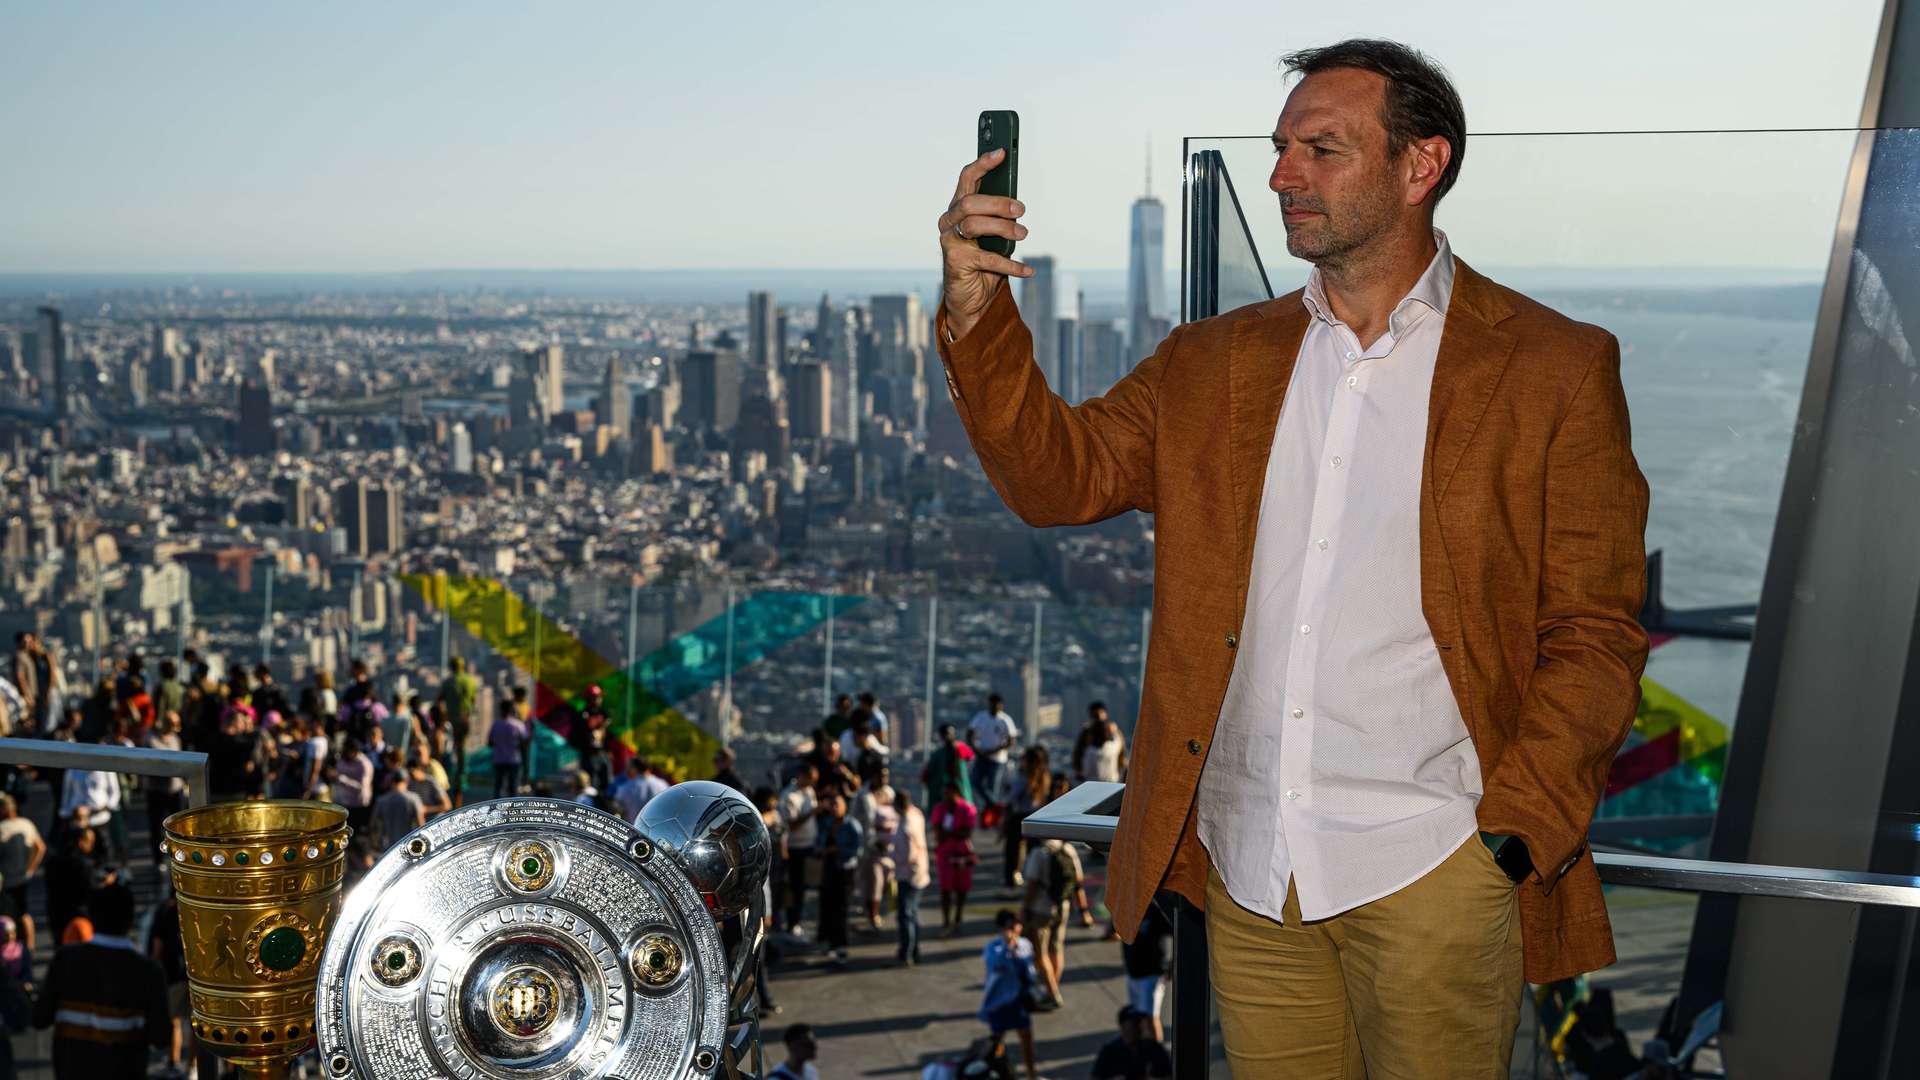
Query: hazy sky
x=360, y=136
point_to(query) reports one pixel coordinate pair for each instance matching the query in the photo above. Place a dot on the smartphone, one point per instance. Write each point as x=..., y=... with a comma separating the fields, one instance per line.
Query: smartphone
x=1000, y=130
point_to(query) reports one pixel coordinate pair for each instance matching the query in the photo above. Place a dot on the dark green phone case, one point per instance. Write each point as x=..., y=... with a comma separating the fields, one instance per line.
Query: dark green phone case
x=1000, y=130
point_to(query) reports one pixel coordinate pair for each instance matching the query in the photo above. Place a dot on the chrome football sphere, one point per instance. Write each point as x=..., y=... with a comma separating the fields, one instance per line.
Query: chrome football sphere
x=716, y=836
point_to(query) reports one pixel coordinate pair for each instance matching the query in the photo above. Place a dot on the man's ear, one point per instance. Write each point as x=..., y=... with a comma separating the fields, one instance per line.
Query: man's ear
x=1426, y=164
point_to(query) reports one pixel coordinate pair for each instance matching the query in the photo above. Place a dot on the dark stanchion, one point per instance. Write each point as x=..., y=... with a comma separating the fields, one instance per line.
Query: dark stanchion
x=1192, y=990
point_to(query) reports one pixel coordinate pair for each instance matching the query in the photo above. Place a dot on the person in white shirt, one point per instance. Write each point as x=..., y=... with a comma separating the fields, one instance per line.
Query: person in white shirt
x=991, y=733
x=873, y=809
x=1103, y=755
x=860, y=740
x=798, y=808
x=1402, y=515
x=912, y=872
x=92, y=798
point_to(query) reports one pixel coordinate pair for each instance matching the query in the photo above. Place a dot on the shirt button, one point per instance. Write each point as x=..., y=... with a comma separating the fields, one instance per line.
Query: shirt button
x=1321, y=543
x=1233, y=641
x=1193, y=747
x=1305, y=629
x=1349, y=354
x=1292, y=795
x=1337, y=462
x=1298, y=713
x=1353, y=380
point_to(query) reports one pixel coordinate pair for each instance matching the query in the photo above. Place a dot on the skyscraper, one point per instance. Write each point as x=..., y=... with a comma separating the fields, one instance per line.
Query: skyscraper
x=710, y=389
x=1147, y=319
x=825, y=333
x=460, y=443
x=1102, y=357
x=253, y=435
x=296, y=496
x=167, y=365
x=547, y=366
x=763, y=330
x=1072, y=384
x=1039, y=304
x=615, y=409
x=897, y=322
x=350, y=514
x=845, y=361
x=652, y=454
x=811, y=409
x=386, y=534
x=48, y=362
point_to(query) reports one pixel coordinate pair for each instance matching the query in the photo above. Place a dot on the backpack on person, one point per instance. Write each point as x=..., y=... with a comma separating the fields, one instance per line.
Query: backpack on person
x=1061, y=880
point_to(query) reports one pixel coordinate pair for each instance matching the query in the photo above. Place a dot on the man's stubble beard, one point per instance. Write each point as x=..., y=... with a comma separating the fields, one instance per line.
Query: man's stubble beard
x=1329, y=242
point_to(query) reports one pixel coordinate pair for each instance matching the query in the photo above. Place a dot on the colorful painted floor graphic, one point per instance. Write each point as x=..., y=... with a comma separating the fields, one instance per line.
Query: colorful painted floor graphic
x=640, y=701
x=1672, y=762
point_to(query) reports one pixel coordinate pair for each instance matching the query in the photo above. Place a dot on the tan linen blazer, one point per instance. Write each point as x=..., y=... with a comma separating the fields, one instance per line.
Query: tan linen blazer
x=1532, y=560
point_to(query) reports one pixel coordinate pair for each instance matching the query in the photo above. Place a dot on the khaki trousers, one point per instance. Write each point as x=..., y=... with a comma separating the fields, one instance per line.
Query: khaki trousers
x=1424, y=983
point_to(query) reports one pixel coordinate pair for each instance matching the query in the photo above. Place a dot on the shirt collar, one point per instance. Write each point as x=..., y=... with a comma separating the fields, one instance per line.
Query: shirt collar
x=114, y=941
x=1434, y=290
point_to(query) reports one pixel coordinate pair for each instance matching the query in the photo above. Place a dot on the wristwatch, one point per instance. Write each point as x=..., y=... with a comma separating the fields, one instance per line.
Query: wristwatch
x=1510, y=855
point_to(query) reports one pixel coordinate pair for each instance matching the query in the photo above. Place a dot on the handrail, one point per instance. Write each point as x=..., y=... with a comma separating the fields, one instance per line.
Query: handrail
x=188, y=765
x=1089, y=814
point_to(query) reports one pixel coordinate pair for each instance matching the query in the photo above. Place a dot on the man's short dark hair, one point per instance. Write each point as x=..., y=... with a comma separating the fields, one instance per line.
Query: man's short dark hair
x=111, y=909
x=1096, y=707
x=1420, y=102
x=796, y=1033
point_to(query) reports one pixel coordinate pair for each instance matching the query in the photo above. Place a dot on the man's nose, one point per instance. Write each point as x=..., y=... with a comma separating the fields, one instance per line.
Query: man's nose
x=1284, y=177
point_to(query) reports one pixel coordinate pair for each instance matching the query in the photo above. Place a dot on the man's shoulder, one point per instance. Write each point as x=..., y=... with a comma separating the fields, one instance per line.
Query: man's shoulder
x=1540, y=329
x=1217, y=329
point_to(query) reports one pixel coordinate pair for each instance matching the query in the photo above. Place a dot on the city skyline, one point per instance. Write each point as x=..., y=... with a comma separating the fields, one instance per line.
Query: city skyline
x=685, y=139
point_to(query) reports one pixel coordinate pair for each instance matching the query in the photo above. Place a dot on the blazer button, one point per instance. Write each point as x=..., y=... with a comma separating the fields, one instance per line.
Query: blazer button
x=1193, y=747
x=1233, y=641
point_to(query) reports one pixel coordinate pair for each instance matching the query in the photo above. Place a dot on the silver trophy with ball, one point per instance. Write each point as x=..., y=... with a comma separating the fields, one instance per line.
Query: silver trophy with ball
x=533, y=938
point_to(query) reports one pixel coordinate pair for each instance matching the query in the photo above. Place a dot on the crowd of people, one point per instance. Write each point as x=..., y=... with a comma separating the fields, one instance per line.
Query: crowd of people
x=850, y=846
x=864, y=846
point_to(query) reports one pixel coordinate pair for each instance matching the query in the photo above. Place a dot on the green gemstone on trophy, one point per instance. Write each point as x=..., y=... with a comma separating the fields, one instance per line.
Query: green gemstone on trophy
x=530, y=867
x=289, y=854
x=240, y=857
x=396, y=959
x=196, y=856
x=283, y=949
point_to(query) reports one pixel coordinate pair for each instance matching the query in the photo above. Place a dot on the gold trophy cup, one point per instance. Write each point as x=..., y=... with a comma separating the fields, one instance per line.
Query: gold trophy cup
x=259, y=886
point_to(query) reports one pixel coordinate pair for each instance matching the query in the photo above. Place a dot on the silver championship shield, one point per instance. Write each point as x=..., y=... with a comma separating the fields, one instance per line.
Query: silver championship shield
x=532, y=938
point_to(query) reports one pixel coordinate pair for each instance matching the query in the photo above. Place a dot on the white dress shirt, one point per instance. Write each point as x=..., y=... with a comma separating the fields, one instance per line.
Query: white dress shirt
x=97, y=791
x=993, y=732
x=1341, y=759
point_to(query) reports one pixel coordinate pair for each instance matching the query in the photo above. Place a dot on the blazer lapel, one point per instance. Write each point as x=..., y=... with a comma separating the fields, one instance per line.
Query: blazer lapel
x=1260, y=360
x=1473, y=357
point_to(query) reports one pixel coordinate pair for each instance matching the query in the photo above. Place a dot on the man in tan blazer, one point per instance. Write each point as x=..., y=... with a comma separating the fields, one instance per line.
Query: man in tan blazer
x=1398, y=563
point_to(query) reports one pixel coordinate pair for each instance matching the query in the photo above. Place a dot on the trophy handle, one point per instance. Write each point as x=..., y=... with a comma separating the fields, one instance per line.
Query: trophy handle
x=753, y=938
